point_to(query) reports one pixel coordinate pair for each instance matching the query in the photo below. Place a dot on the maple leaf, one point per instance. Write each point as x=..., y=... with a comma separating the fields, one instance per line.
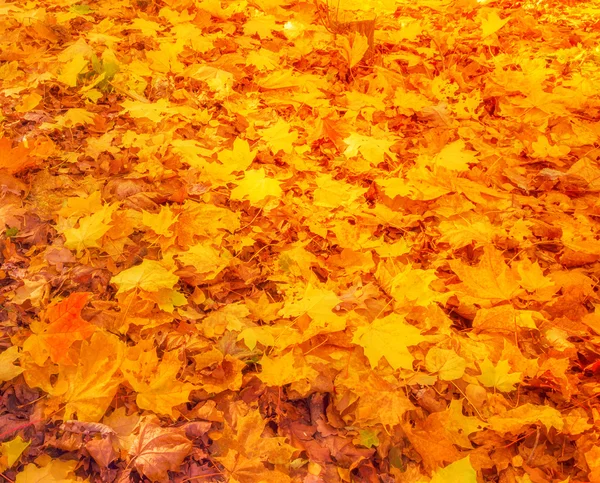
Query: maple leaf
x=261, y=25
x=14, y=159
x=10, y=451
x=279, y=371
x=256, y=187
x=456, y=426
x=279, y=137
x=504, y=318
x=241, y=469
x=373, y=149
x=446, y=363
x=391, y=404
x=29, y=102
x=157, y=450
x=239, y=158
x=409, y=286
x=72, y=118
x=92, y=384
x=206, y=260
x=354, y=48
x=435, y=448
x=123, y=426
x=389, y=338
x=150, y=276
x=460, y=233
x=461, y=470
x=8, y=370
x=91, y=229
x=78, y=206
x=71, y=70
x=63, y=327
x=454, y=157
x=315, y=301
x=331, y=193
x=166, y=299
x=513, y=420
x=246, y=438
x=160, y=222
x=54, y=471
x=531, y=276
x=156, y=382
x=498, y=376
x=153, y=111
x=491, y=280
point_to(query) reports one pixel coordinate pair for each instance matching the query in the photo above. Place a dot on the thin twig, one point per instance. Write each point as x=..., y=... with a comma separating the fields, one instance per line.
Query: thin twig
x=535, y=444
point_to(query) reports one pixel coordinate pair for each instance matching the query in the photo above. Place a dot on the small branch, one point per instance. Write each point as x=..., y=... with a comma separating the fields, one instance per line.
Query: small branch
x=535, y=445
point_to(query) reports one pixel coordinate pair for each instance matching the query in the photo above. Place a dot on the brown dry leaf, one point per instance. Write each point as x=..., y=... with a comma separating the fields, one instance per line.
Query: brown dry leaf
x=157, y=450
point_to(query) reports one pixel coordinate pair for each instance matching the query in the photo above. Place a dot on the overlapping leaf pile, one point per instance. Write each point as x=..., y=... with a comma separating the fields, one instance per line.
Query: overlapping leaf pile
x=244, y=241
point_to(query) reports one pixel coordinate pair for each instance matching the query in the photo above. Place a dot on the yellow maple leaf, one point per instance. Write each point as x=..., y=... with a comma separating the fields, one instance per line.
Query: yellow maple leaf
x=447, y=364
x=262, y=25
x=205, y=259
x=331, y=193
x=492, y=23
x=153, y=111
x=147, y=27
x=75, y=116
x=72, y=69
x=92, y=384
x=29, y=102
x=316, y=302
x=498, y=376
x=248, y=437
x=490, y=280
x=461, y=470
x=10, y=451
x=54, y=471
x=532, y=276
x=91, y=229
x=373, y=149
x=462, y=232
x=166, y=299
x=165, y=59
x=279, y=137
x=388, y=338
x=256, y=187
x=160, y=222
x=156, y=382
x=408, y=285
x=504, y=318
x=150, y=275
x=191, y=152
x=8, y=370
x=454, y=157
x=354, y=48
x=456, y=426
x=512, y=421
x=279, y=371
x=77, y=206
x=239, y=158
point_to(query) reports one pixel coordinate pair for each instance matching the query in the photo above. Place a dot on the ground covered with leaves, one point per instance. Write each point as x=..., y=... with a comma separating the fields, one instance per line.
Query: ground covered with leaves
x=280, y=241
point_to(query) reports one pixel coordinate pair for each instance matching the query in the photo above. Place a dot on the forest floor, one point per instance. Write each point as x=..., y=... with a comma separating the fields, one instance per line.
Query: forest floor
x=275, y=241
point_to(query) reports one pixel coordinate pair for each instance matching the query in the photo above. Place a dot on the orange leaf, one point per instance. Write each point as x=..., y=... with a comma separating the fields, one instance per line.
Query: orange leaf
x=65, y=326
x=14, y=159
